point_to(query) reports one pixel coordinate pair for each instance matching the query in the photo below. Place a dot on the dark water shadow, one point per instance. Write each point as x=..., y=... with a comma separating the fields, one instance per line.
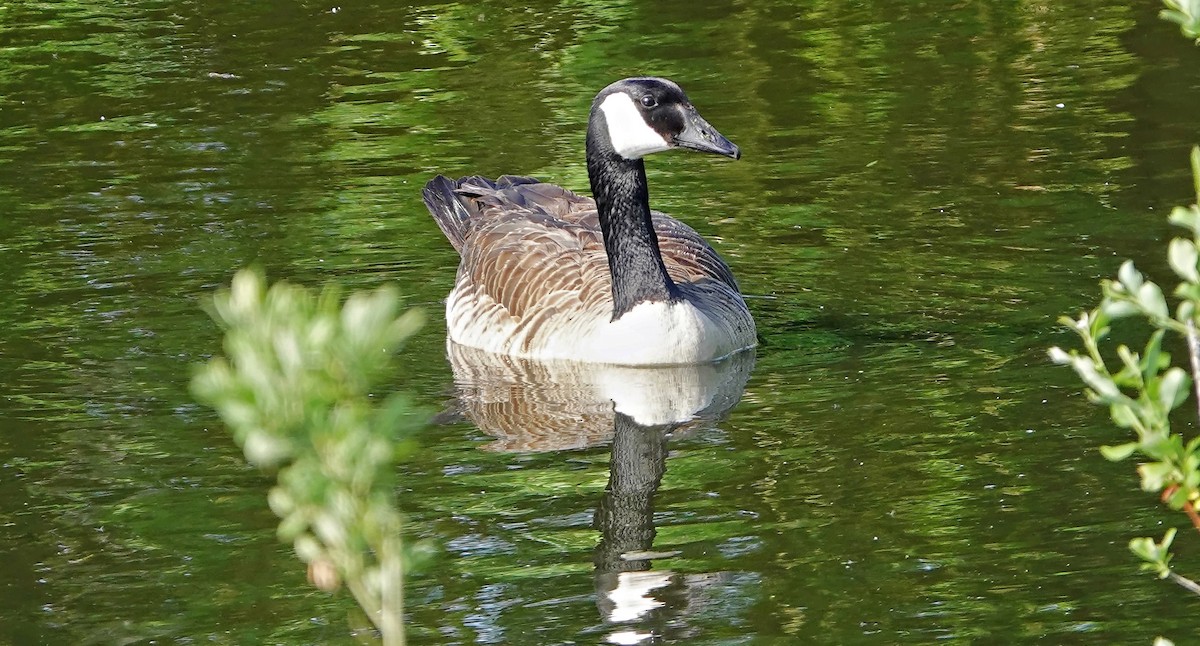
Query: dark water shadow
x=533, y=406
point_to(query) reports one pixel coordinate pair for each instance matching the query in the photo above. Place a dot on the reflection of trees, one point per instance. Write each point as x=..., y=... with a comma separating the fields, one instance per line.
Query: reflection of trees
x=921, y=154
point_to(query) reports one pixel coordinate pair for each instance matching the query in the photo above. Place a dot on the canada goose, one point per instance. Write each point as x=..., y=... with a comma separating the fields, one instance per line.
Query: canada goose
x=547, y=274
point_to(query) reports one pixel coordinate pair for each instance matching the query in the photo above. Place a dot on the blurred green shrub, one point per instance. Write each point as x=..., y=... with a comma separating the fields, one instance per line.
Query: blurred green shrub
x=295, y=390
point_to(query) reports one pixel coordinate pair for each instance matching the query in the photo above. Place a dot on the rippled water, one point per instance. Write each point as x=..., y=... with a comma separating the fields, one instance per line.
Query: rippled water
x=925, y=187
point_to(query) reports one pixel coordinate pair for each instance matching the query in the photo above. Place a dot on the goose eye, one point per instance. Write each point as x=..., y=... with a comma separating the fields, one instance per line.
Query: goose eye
x=649, y=101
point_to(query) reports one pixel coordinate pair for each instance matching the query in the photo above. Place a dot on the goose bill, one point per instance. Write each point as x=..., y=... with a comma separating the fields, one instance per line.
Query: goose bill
x=699, y=135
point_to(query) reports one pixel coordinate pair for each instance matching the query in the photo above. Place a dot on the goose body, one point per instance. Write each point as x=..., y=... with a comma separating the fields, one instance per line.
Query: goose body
x=548, y=274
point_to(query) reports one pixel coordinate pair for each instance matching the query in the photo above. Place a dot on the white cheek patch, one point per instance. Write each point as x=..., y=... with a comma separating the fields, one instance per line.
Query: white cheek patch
x=630, y=136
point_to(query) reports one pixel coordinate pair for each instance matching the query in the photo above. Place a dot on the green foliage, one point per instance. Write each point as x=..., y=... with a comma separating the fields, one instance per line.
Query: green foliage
x=296, y=393
x=1157, y=556
x=1144, y=387
x=1186, y=14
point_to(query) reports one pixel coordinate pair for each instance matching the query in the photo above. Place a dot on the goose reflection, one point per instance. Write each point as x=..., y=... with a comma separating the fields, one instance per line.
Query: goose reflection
x=536, y=406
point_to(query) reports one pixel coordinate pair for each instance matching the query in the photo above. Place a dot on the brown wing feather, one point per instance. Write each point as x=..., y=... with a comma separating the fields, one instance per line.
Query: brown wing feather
x=525, y=252
x=536, y=250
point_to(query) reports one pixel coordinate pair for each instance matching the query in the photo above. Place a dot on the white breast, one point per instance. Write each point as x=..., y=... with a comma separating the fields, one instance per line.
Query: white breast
x=662, y=333
x=649, y=334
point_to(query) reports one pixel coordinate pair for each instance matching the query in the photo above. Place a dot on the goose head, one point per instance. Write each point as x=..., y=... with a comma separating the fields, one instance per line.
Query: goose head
x=635, y=117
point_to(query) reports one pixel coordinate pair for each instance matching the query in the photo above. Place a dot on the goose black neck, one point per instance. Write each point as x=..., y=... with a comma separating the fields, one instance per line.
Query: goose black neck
x=623, y=200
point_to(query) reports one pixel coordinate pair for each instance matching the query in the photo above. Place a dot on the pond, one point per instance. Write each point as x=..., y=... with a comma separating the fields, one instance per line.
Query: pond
x=924, y=188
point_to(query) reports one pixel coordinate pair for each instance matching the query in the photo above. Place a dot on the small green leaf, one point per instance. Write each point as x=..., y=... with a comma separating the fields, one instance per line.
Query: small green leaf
x=1154, y=475
x=281, y=501
x=1100, y=383
x=1086, y=321
x=1150, y=297
x=1123, y=415
x=1059, y=356
x=1151, y=356
x=1186, y=217
x=1156, y=555
x=1128, y=358
x=265, y=450
x=309, y=549
x=1182, y=256
x=1117, y=308
x=1131, y=279
x=1143, y=547
x=1186, y=309
x=1173, y=388
x=1118, y=452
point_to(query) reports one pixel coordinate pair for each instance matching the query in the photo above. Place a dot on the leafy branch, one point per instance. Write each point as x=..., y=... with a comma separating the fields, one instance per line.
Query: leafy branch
x=1141, y=389
x=296, y=393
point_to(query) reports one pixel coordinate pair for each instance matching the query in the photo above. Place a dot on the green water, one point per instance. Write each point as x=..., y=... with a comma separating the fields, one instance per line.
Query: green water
x=924, y=187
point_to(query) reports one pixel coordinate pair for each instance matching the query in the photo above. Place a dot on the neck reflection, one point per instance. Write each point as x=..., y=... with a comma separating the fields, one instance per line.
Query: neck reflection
x=533, y=406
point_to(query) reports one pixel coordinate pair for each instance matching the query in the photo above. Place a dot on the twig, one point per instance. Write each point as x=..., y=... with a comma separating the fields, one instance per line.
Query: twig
x=1193, y=344
x=1191, y=512
x=1188, y=508
x=1188, y=584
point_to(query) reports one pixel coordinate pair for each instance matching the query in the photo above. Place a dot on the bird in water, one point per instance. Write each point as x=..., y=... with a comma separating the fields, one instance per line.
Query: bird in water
x=548, y=274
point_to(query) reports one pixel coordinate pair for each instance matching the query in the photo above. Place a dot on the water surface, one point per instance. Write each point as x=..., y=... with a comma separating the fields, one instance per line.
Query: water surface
x=924, y=187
